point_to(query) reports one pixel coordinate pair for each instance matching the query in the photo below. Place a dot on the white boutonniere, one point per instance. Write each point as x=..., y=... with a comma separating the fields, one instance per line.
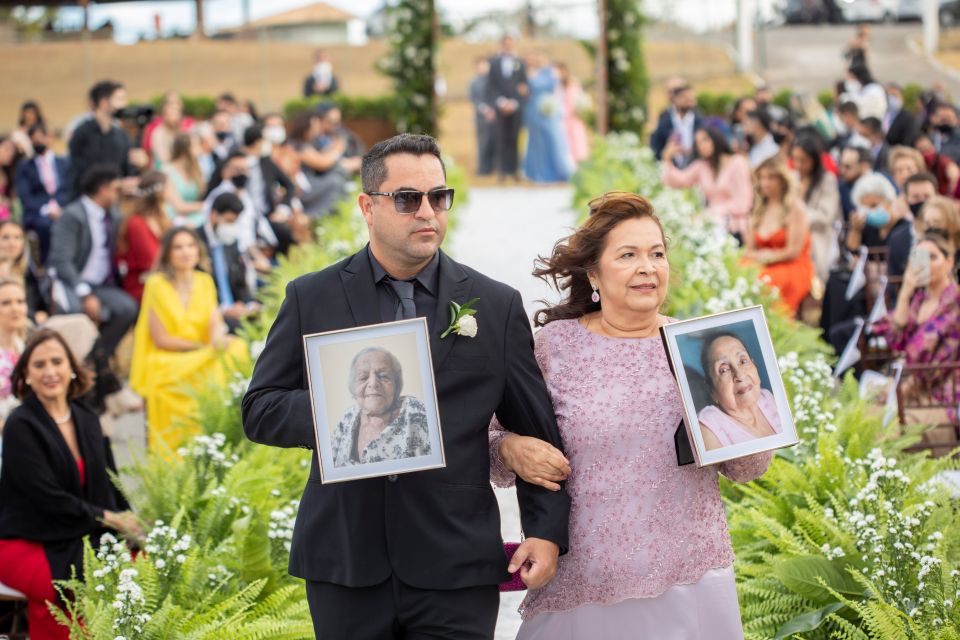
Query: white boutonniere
x=462, y=321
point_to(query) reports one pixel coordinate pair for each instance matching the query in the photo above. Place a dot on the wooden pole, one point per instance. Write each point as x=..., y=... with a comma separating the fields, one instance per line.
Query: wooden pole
x=603, y=119
x=85, y=4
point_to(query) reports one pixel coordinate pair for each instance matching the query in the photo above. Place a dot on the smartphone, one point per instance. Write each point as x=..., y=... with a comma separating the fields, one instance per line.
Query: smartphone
x=920, y=263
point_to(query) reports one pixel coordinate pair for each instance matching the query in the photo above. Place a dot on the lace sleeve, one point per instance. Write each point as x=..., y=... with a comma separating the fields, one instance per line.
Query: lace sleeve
x=747, y=468
x=500, y=475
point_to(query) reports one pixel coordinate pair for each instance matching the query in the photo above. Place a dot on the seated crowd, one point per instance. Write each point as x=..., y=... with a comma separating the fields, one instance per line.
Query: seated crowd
x=164, y=230
x=852, y=214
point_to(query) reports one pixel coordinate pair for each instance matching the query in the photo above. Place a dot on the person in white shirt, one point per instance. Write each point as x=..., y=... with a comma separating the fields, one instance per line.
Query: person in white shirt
x=762, y=145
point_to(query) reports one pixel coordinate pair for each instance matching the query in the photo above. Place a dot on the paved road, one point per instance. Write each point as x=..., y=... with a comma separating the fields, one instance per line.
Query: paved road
x=810, y=58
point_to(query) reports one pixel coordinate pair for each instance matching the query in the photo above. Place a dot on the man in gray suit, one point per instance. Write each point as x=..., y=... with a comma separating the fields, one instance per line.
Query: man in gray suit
x=82, y=252
x=484, y=116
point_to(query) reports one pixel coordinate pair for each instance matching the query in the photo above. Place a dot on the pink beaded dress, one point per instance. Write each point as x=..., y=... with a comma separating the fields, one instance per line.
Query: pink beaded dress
x=650, y=553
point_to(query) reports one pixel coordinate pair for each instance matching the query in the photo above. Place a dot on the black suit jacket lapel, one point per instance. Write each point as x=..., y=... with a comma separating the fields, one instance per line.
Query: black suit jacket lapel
x=454, y=286
x=360, y=290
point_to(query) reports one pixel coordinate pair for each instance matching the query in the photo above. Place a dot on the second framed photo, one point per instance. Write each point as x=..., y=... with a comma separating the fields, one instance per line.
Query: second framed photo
x=375, y=410
x=734, y=401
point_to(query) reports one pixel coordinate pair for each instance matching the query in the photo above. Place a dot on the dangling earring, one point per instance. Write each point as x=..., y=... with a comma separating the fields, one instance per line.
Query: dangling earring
x=73, y=376
x=595, y=296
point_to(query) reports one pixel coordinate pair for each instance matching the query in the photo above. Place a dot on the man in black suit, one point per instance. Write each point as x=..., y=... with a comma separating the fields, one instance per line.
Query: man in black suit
x=43, y=186
x=902, y=127
x=680, y=121
x=506, y=91
x=872, y=130
x=270, y=188
x=416, y=555
x=230, y=271
x=321, y=81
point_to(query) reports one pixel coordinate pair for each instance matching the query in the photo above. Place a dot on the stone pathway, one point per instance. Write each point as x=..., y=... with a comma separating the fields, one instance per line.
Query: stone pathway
x=500, y=232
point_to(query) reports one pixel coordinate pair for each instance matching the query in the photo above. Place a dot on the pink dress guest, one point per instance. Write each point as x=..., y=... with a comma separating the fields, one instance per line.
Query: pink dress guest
x=650, y=553
x=729, y=431
x=572, y=123
x=729, y=193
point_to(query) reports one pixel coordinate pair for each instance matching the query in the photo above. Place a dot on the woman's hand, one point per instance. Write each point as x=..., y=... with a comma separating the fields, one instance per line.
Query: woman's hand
x=670, y=150
x=534, y=460
x=125, y=522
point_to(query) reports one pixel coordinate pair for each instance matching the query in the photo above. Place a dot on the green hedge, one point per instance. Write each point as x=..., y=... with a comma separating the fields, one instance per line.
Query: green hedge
x=379, y=107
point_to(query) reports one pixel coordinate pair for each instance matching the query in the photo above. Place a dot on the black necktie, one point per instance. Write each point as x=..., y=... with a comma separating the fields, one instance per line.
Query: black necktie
x=404, y=290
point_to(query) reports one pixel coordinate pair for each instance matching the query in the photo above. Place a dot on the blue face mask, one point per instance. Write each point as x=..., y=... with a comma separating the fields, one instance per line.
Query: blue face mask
x=877, y=217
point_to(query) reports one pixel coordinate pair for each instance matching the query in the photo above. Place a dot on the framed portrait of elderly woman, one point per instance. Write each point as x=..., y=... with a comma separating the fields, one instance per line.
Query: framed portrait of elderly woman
x=734, y=402
x=374, y=401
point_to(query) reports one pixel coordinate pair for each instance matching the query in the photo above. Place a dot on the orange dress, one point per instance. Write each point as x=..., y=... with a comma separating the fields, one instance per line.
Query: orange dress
x=791, y=277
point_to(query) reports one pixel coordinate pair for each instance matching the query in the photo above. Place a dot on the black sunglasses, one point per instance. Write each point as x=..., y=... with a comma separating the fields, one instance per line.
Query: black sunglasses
x=409, y=200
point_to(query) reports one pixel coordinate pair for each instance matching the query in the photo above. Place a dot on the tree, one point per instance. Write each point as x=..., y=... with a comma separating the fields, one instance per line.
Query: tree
x=411, y=62
x=627, y=79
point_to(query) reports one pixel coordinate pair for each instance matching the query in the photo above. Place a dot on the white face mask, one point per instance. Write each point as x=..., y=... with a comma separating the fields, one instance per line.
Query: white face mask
x=275, y=134
x=227, y=232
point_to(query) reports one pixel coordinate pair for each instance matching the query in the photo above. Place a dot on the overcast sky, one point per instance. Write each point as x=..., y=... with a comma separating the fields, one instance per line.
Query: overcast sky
x=132, y=19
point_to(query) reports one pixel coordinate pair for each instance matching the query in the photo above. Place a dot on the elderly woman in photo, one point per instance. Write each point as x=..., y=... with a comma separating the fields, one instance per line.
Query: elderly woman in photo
x=382, y=425
x=742, y=409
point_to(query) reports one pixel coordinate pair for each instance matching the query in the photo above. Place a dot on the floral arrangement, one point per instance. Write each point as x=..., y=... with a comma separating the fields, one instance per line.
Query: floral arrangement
x=410, y=63
x=627, y=80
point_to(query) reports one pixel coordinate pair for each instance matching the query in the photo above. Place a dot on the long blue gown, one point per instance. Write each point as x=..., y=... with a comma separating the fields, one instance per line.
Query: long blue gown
x=548, y=157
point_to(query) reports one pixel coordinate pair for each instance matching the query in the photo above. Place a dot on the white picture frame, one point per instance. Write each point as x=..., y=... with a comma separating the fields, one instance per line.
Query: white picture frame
x=684, y=342
x=339, y=361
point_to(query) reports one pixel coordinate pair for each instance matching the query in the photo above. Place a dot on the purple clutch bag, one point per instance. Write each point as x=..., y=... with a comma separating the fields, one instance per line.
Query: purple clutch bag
x=515, y=583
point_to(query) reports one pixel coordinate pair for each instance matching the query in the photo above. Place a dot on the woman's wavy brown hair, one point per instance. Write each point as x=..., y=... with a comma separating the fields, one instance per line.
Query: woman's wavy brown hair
x=18, y=378
x=575, y=256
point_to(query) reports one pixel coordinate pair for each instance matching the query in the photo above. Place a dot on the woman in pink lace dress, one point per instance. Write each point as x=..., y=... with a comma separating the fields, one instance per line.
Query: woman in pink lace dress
x=650, y=553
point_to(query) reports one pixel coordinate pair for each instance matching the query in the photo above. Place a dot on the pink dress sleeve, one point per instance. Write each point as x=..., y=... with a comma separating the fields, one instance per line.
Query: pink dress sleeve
x=683, y=178
x=747, y=468
x=500, y=475
x=929, y=342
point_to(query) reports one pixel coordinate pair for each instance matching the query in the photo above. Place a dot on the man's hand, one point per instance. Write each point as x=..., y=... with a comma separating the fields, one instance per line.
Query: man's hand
x=537, y=561
x=91, y=307
x=536, y=461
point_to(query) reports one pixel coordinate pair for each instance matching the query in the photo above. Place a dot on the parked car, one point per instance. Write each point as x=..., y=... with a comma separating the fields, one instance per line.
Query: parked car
x=869, y=10
x=806, y=12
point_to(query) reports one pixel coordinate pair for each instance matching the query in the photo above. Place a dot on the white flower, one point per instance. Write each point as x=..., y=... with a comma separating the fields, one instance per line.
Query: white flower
x=467, y=326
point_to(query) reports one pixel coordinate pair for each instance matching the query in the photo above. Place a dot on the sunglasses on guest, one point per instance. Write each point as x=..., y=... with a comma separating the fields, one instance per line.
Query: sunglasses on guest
x=409, y=200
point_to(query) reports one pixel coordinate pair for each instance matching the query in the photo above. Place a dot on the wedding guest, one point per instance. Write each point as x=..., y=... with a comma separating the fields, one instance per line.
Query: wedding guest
x=57, y=468
x=8, y=157
x=507, y=90
x=15, y=262
x=901, y=125
x=821, y=199
x=383, y=424
x=484, y=116
x=779, y=237
x=99, y=140
x=82, y=249
x=230, y=271
x=600, y=348
x=854, y=163
x=940, y=165
x=13, y=332
x=321, y=81
x=547, y=158
x=722, y=176
x=871, y=129
x=165, y=129
x=30, y=116
x=762, y=145
x=185, y=182
x=738, y=118
x=938, y=213
x=575, y=101
x=239, y=118
x=742, y=409
x=924, y=326
x=679, y=122
x=902, y=163
x=866, y=92
x=320, y=181
x=179, y=341
x=877, y=213
x=138, y=242
x=43, y=186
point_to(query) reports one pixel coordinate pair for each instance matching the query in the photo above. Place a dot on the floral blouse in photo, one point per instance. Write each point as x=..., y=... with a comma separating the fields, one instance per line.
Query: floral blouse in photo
x=406, y=437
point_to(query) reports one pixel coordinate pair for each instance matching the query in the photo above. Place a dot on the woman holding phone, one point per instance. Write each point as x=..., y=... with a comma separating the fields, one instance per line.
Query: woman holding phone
x=924, y=326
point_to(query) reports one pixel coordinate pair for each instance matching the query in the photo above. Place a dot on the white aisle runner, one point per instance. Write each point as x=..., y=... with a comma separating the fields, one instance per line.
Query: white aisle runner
x=500, y=232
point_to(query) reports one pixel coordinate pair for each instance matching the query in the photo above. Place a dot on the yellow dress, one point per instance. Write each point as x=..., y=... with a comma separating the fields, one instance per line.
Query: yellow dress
x=168, y=380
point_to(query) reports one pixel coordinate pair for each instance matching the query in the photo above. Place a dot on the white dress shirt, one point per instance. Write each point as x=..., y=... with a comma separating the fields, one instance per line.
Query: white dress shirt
x=100, y=262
